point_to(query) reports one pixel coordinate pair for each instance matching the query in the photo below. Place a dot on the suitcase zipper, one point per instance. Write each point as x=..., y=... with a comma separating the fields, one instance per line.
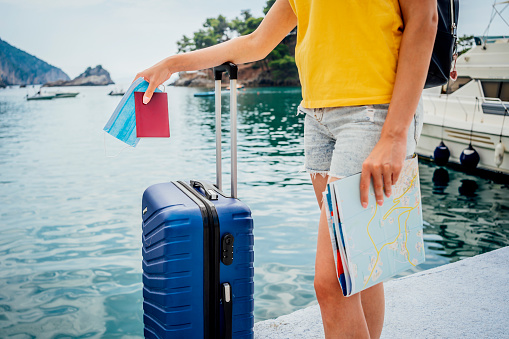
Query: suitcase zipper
x=227, y=307
x=211, y=243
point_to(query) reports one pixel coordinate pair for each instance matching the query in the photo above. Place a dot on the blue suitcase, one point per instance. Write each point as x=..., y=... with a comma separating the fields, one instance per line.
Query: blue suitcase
x=198, y=251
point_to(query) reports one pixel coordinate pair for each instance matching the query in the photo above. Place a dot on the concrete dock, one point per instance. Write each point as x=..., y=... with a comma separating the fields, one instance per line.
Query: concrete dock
x=465, y=299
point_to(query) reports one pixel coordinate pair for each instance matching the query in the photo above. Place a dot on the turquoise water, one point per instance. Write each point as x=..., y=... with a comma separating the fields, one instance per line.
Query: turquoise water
x=70, y=217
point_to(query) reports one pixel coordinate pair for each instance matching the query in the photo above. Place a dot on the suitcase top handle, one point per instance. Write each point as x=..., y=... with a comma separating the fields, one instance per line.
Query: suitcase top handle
x=231, y=69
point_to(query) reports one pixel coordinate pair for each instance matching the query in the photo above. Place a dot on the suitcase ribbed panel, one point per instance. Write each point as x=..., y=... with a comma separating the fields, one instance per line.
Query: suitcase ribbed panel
x=153, y=329
x=172, y=264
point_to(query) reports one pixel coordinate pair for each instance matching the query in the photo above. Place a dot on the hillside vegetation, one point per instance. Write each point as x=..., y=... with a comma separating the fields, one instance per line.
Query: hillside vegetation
x=278, y=68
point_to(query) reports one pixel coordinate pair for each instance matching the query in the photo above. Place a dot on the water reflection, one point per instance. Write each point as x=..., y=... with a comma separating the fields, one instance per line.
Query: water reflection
x=440, y=180
x=465, y=215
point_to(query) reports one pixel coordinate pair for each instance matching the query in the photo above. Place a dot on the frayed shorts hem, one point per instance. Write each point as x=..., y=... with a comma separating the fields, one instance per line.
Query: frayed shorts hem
x=314, y=173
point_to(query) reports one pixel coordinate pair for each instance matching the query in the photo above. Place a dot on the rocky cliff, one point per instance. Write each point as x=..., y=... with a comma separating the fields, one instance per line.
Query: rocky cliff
x=17, y=67
x=96, y=76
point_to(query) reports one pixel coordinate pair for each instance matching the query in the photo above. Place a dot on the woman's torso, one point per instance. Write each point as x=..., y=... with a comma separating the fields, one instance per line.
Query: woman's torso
x=347, y=51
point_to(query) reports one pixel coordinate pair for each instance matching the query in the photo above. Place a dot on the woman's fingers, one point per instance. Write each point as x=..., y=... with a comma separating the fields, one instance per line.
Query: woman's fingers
x=396, y=171
x=378, y=185
x=148, y=93
x=364, y=186
x=387, y=176
x=382, y=178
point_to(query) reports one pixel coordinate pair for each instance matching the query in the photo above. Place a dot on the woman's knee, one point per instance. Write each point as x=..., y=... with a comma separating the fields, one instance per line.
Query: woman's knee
x=326, y=288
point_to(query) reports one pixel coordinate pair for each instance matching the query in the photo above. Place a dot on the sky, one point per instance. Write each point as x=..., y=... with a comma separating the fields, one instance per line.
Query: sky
x=128, y=36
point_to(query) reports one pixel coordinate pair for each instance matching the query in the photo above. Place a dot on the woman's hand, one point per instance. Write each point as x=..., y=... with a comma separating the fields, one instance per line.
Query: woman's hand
x=155, y=76
x=384, y=164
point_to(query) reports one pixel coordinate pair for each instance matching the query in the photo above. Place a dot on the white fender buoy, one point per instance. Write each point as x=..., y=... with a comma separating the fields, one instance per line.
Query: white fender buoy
x=499, y=154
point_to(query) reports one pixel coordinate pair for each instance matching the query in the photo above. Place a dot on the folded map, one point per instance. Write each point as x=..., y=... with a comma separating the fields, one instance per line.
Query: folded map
x=375, y=243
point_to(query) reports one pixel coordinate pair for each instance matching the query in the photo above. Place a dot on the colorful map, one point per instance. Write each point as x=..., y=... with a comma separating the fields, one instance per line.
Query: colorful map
x=376, y=243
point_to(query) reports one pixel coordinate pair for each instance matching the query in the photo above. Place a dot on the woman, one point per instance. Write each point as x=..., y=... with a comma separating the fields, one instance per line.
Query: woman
x=362, y=76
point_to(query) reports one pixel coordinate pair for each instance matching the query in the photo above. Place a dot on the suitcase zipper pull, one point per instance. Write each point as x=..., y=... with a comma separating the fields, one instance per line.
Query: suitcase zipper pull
x=227, y=308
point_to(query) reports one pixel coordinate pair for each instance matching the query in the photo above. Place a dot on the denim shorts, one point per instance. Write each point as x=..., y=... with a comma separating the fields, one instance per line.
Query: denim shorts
x=337, y=140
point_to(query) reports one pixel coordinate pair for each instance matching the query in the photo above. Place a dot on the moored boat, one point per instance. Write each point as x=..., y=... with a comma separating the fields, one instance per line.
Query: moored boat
x=116, y=93
x=39, y=96
x=204, y=94
x=465, y=122
x=66, y=94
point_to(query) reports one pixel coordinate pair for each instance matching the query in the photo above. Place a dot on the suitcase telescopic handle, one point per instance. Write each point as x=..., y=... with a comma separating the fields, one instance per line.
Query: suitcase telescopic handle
x=231, y=69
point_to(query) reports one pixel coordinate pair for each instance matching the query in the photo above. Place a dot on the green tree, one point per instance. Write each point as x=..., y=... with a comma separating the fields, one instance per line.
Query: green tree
x=284, y=68
x=245, y=24
x=279, y=52
x=185, y=44
x=218, y=28
x=215, y=30
x=204, y=39
x=251, y=25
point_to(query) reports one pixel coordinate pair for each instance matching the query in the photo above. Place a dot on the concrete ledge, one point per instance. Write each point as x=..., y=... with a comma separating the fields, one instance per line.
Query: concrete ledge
x=466, y=299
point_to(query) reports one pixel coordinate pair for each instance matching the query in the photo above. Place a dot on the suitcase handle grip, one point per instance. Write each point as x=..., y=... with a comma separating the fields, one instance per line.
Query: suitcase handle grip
x=209, y=189
x=231, y=68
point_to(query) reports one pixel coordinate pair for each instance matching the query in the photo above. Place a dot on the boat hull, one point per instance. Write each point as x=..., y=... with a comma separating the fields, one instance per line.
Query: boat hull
x=66, y=95
x=457, y=136
x=42, y=97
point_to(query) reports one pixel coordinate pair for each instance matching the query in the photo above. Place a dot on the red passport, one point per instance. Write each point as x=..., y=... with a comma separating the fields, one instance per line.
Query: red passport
x=152, y=119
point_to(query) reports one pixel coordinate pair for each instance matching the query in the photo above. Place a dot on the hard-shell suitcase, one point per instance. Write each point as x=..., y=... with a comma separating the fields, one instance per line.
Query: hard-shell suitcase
x=198, y=251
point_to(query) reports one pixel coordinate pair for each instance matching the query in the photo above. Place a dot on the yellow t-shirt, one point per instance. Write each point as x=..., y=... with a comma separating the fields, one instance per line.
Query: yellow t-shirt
x=347, y=51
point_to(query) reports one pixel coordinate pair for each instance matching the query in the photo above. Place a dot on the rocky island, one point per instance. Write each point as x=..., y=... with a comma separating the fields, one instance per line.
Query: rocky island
x=96, y=76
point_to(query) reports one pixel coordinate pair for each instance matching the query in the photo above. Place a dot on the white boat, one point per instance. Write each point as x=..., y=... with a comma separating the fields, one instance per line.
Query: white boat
x=40, y=96
x=116, y=92
x=473, y=110
x=65, y=94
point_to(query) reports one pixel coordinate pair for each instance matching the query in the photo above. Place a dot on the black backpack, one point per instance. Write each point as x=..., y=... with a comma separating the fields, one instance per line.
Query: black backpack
x=445, y=43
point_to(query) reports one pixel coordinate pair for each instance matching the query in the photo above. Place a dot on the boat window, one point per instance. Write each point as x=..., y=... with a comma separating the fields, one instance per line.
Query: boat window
x=504, y=91
x=455, y=85
x=496, y=89
x=490, y=89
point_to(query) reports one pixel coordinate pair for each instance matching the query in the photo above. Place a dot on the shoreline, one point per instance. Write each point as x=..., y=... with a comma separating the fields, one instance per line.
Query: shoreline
x=464, y=299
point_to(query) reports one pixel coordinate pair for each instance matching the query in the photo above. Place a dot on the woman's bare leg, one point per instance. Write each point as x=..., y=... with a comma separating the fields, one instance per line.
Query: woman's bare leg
x=342, y=317
x=373, y=304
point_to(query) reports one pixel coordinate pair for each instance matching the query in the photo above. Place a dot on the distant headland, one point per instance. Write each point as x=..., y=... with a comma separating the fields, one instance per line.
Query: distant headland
x=17, y=67
x=96, y=76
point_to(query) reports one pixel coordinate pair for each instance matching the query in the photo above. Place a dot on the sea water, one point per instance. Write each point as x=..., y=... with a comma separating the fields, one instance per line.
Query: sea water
x=70, y=215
